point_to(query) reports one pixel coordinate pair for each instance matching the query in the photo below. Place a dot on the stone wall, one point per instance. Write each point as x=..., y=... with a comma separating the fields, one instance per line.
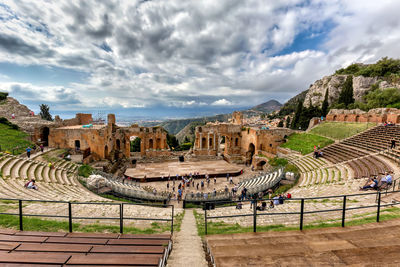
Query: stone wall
x=242, y=143
x=109, y=141
x=378, y=115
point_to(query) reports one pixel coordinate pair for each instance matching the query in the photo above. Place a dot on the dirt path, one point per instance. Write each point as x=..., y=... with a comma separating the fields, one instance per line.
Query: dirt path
x=187, y=247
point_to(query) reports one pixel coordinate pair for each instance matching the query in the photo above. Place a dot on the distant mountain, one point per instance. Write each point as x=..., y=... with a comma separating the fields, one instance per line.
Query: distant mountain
x=267, y=107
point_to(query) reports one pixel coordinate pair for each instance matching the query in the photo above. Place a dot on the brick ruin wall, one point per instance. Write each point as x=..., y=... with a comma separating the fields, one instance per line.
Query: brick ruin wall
x=380, y=115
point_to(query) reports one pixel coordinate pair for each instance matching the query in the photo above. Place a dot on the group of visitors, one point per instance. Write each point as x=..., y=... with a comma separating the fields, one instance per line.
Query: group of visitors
x=317, y=151
x=29, y=150
x=388, y=123
x=378, y=183
x=276, y=200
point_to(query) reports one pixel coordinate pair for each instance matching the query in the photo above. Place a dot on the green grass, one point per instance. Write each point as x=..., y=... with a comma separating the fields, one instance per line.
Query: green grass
x=226, y=228
x=11, y=138
x=305, y=142
x=36, y=224
x=340, y=130
x=85, y=170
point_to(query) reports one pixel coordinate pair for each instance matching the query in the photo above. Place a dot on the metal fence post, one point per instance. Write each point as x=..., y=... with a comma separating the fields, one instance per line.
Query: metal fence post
x=379, y=207
x=172, y=220
x=21, y=226
x=254, y=215
x=344, y=210
x=205, y=218
x=70, y=217
x=121, y=218
x=301, y=213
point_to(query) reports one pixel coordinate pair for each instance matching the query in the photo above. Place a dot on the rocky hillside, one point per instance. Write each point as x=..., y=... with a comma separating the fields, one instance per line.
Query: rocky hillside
x=23, y=119
x=383, y=74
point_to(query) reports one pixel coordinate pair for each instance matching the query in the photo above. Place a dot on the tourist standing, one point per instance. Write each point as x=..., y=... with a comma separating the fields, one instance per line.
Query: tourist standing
x=393, y=143
x=28, y=152
x=41, y=148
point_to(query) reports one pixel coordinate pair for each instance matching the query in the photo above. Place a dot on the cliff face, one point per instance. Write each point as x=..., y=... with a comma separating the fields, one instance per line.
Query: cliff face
x=361, y=86
x=23, y=118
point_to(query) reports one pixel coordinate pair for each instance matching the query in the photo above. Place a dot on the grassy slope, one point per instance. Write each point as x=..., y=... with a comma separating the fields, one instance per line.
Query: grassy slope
x=304, y=142
x=10, y=138
x=340, y=130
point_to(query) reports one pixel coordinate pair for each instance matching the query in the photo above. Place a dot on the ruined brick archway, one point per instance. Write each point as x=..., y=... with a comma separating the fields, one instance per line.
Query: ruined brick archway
x=250, y=153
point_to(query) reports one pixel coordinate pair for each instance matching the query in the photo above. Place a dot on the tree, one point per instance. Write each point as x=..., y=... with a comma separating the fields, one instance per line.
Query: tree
x=280, y=124
x=135, y=144
x=172, y=141
x=288, y=122
x=297, y=114
x=325, y=104
x=45, y=112
x=346, y=95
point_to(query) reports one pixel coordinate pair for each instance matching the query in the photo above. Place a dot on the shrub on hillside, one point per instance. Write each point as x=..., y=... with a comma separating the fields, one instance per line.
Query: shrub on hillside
x=384, y=67
x=3, y=96
x=8, y=123
x=85, y=170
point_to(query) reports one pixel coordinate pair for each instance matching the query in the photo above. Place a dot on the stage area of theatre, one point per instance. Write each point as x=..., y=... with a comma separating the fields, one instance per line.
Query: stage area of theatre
x=154, y=171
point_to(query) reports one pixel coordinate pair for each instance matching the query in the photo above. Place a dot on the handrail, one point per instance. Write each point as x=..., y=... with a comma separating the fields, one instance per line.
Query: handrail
x=121, y=218
x=301, y=212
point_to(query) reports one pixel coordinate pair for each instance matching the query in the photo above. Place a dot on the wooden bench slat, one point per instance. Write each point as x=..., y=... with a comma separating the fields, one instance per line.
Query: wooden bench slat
x=8, y=246
x=23, y=257
x=48, y=247
x=104, y=260
x=48, y=234
x=73, y=240
x=36, y=239
x=128, y=249
x=144, y=236
x=138, y=242
x=92, y=235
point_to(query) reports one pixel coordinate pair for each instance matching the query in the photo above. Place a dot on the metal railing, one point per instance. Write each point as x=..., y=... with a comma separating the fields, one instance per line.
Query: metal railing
x=378, y=205
x=70, y=217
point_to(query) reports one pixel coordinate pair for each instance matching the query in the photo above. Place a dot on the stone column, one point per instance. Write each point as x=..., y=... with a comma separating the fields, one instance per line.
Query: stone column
x=214, y=142
x=208, y=141
x=201, y=141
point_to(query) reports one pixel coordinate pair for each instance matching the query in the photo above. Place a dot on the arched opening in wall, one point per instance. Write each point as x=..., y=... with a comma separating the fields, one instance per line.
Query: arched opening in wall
x=135, y=142
x=118, y=144
x=250, y=153
x=221, y=143
x=150, y=143
x=158, y=143
x=261, y=147
x=77, y=145
x=334, y=118
x=345, y=118
x=200, y=129
x=236, y=141
x=45, y=136
x=210, y=143
x=106, y=152
x=203, y=143
x=261, y=165
x=358, y=118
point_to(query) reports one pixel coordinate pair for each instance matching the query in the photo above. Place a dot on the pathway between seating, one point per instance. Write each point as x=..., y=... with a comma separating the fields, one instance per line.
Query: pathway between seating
x=187, y=247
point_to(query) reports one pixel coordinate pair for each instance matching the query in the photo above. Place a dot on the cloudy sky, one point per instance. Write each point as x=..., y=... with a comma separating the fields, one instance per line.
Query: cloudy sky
x=178, y=58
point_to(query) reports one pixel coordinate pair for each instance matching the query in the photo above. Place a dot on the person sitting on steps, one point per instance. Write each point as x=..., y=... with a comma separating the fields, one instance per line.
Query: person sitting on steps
x=31, y=184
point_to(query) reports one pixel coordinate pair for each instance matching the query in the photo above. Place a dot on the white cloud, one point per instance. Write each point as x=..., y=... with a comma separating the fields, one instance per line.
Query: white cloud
x=222, y=102
x=190, y=53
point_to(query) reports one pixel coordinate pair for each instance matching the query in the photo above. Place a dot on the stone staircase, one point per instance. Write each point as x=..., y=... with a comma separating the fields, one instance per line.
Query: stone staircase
x=57, y=183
